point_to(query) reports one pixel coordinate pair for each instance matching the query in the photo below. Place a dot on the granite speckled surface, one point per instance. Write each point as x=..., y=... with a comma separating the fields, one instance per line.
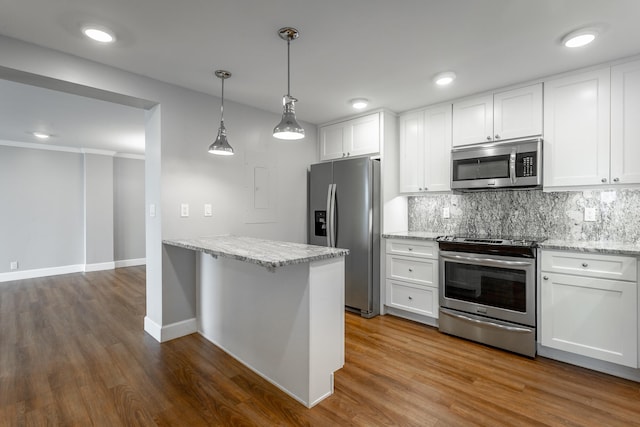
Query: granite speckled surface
x=266, y=253
x=414, y=235
x=555, y=216
x=610, y=248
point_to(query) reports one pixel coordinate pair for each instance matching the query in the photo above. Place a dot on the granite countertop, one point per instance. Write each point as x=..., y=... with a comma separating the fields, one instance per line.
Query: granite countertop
x=415, y=235
x=611, y=248
x=266, y=253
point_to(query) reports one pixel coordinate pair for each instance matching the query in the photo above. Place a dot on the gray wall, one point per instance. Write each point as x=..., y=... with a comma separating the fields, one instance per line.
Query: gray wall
x=128, y=206
x=98, y=197
x=41, y=208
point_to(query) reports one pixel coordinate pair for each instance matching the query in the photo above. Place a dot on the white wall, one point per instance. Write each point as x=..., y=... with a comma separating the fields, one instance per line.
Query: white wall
x=178, y=169
x=98, y=209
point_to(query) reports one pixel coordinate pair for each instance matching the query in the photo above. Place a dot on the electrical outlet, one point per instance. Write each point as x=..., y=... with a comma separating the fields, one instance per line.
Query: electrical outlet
x=590, y=214
x=13, y=265
x=446, y=213
x=208, y=209
x=184, y=210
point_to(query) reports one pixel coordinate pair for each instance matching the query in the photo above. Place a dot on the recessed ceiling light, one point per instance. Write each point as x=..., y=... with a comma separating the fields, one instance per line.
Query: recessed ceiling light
x=444, y=79
x=580, y=37
x=99, y=34
x=359, y=103
x=41, y=135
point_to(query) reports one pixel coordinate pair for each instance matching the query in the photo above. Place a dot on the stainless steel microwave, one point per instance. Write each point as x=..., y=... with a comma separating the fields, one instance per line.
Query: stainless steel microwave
x=508, y=164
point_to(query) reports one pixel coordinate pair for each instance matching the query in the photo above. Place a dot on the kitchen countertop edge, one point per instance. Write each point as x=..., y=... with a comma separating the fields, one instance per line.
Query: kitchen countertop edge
x=252, y=252
x=608, y=248
x=412, y=235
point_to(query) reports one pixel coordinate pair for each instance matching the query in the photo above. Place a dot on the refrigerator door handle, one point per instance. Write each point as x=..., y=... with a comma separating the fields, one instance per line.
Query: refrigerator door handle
x=331, y=231
x=328, y=219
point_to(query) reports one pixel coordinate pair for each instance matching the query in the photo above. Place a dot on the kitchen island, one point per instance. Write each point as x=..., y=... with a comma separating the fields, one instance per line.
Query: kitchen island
x=277, y=307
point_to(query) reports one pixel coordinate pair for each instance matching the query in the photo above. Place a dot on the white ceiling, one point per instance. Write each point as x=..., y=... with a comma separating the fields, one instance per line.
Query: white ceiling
x=387, y=51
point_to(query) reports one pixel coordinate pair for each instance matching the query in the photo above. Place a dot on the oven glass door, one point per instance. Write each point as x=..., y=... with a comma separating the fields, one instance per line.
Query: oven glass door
x=486, y=285
x=496, y=286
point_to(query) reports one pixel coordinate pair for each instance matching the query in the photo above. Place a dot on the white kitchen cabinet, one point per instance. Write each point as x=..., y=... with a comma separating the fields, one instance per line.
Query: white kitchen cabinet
x=412, y=276
x=576, y=129
x=586, y=312
x=473, y=121
x=355, y=137
x=510, y=114
x=425, y=150
x=625, y=123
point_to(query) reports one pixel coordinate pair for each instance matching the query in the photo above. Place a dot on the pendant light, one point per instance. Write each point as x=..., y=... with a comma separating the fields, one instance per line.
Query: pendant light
x=288, y=128
x=221, y=146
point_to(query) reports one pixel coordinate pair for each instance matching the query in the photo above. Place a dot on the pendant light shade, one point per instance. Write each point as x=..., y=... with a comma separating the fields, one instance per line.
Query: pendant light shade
x=221, y=146
x=288, y=128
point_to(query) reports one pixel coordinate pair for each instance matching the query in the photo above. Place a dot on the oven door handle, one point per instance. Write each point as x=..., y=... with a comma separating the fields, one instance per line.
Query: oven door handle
x=487, y=261
x=489, y=323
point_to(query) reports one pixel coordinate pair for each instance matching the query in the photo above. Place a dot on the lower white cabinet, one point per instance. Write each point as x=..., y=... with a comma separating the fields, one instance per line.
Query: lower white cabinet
x=586, y=314
x=412, y=276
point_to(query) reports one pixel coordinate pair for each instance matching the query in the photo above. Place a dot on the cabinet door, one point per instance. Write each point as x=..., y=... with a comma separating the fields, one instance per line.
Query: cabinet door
x=576, y=129
x=437, y=153
x=332, y=140
x=517, y=113
x=411, y=152
x=592, y=317
x=473, y=121
x=625, y=123
x=363, y=135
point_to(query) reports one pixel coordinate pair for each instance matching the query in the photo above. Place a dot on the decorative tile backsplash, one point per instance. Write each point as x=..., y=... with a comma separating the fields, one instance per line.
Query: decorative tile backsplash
x=534, y=213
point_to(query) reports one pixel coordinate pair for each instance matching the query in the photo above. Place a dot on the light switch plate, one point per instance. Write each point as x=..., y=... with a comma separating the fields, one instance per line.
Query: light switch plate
x=590, y=214
x=152, y=210
x=184, y=210
x=608, y=196
x=208, y=209
x=446, y=213
x=13, y=265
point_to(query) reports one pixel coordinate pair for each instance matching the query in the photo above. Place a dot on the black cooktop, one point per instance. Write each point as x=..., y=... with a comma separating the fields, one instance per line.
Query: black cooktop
x=518, y=246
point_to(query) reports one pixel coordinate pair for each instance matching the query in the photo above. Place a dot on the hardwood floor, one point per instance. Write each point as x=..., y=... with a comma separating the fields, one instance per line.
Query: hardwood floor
x=73, y=352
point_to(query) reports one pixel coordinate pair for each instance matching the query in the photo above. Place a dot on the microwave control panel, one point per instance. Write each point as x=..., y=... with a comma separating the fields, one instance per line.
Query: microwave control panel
x=526, y=164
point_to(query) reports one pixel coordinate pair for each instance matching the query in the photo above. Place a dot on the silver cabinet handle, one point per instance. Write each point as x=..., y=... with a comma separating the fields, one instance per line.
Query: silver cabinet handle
x=410, y=249
x=585, y=265
x=348, y=154
x=488, y=138
x=425, y=188
x=411, y=270
x=604, y=180
x=497, y=136
x=410, y=298
x=343, y=155
x=545, y=277
x=616, y=179
x=485, y=261
x=420, y=189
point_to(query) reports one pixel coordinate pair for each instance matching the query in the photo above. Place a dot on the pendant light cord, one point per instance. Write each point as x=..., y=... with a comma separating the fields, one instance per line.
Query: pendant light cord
x=222, y=104
x=288, y=68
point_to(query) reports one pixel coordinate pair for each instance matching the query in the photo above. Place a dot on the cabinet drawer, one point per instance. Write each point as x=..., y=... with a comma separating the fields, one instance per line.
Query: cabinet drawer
x=412, y=298
x=593, y=265
x=419, y=248
x=420, y=271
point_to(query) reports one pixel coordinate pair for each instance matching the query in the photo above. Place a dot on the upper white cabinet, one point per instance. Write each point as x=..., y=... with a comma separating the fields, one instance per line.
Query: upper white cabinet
x=354, y=137
x=625, y=123
x=503, y=115
x=576, y=129
x=425, y=150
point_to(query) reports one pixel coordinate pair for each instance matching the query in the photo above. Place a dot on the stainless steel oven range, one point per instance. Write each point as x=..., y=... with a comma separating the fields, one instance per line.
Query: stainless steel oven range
x=488, y=291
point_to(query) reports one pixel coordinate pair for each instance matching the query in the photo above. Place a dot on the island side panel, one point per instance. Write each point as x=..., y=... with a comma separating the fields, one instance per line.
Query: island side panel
x=259, y=317
x=326, y=282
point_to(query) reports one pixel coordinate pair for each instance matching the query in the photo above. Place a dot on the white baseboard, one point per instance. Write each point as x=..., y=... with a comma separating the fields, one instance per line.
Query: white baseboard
x=170, y=332
x=68, y=269
x=99, y=266
x=41, y=272
x=130, y=262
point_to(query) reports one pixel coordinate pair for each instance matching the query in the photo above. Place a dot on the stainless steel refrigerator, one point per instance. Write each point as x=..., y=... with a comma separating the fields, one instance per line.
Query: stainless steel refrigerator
x=344, y=212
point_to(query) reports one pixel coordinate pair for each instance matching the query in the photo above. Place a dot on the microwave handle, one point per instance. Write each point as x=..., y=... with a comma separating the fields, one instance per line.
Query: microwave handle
x=512, y=166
